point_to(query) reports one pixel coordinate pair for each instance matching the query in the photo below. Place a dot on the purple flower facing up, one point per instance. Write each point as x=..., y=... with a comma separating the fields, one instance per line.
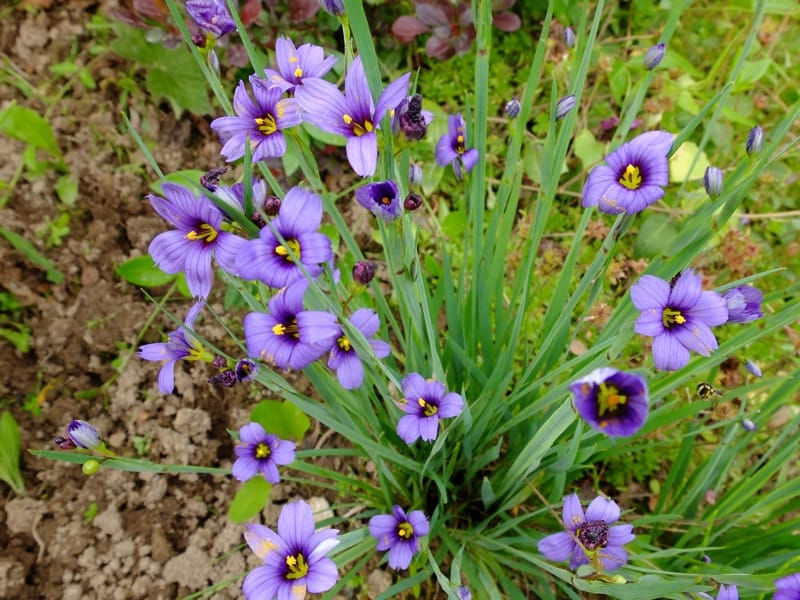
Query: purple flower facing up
x=612, y=402
x=294, y=557
x=381, y=198
x=296, y=65
x=83, y=435
x=353, y=114
x=345, y=360
x=589, y=537
x=399, y=534
x=211, y=15
x=275, y=262
x=290, y=337
x=261, y=452
x=787, y=588
x=451, y=149
x=426, y=401
x=197, y=236
x=678, y=316
x=258, y=123
x=180, y=345
x=744, y=304
x=634, y=176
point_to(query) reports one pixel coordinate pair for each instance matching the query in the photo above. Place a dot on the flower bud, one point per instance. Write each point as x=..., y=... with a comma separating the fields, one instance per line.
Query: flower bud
x=83, y=435
x=364, y=272
x=512, y=108
x=199, y=39
x=463, y=593
x=412, y=202
x=749, y=425
x=272, y=205
x=415, y=174
x=753, y=368
x=219, y=362
x=563, y=106
x=712, y=181
x=654, y=56
x=755, y=139
x=90, y=467
x=64, y=443
x=569, y=37
x=334, y=7
x=743, y=303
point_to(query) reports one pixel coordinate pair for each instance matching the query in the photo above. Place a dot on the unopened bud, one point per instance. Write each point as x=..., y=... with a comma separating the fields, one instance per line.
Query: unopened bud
x=199, y=39
x=654, y=56
x=272, y=205
x=219, y=362
x=364, y=272
x=415, y=174
x=569, y=37
x=412, y=202
x=753, y=368
x=755, y=139
x=90, y=467
x=749, y=425
x=335, y=7
x=83, y=435
x=512, y=108
x=563, y=106
x=712, y=181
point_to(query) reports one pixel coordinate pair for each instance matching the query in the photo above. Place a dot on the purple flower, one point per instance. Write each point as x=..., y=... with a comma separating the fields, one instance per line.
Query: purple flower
x=294, y=557
x=728, y=592
x=345, y=360
x=83, y=435
x=267, y=259
x=787, y=588
x=261, y=452
x=180, y=345
x=246, y=370
x=399, y=534
x=353, y=115
x=634, y=177
x=612, y=402
x=197, y=235
x=211, y=15
x=290, y=337
x=233, y=195
x=426, y=401
x=297, y=65
x=452, y=146
x=744, y=304
x=679, y=316
x=589, y=536
x=654, y=56
x=382, y=199
x=258, y=123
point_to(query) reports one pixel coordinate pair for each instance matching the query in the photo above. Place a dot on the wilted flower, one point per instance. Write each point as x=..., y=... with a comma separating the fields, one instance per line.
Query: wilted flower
x=787, y=588
x=399, y=534
x=744, y=303
x=410, y=119
x=334, y=7
x=590, y=537
x=679, y=316
x=451, y=149
x=198, y=235
x=569, y=37
x=412, y=202
x=259, y=124
x=753, y=368
x=210, y=179
x=381, y=198
x=297, y=65
x=563, y=106
x=344, y=358
x=226, y=378
x=289, y=336
x=353, y=115
x=611, y=401
x=712, y=181
x=181, y=344
x=83, y=435
x=654, y=56
x=211, y=15
x=634, y=176
x=755, y=139
x=512, y=108
x=426, y=401
x=364, y=271
x=261, y=452
x=294, y=557
x=267, y=259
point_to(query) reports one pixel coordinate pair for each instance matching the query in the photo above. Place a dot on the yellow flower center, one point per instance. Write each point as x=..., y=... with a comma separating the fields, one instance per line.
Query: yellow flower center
x=385, y=201
x=672, y=316
x=296, y=565
x=609, y=399
x=358, y=129
x=266, y=125
x=405, y=530
x=460, y=148
x=428, y=409
x=294, y=245
x=291, y=329
x=262, y=450
x=631, y=178
x=207, y=233
x=344, y=343
x=298, y=72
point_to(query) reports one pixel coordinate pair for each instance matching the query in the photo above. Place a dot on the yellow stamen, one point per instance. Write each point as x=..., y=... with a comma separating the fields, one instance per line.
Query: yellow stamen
x=262, y=450
x=672, y=316
x=298, y=72
x=358, y=129
x=294, y=246
x=297, y=566
x=266, y=125
x=344, y=343
x=609, y=399
x=207, y=234
x=428, y=409
x=347, y=119
x=281, y=329
x=405, y=530
x=631, y=178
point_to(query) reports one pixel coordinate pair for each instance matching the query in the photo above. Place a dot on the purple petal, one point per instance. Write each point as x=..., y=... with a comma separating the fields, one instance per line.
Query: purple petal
x=619, y=535
x=199, y=273
x=296, y=524
x=408, y=428
x=362, y=153
x=668, y=353
x=602, y=509
x=322, y=576
x=245, y=468
x=394, y=93
x=252, y=433
x=470, y=159
x=226, y=249
x=686, y=291
x=649, y=323
x=262, y=583
x=360, y=103
x=572, y=512
x=350, y=371
x=710, y=308
x=400, y=555
x=613, y=557
x=451, y=405
x=650, y=293
x=419, y=523
x=429, y=428
x=697, y=336
x=166, y=377
x=413, y=386
x=601, y=183
x=557, y=547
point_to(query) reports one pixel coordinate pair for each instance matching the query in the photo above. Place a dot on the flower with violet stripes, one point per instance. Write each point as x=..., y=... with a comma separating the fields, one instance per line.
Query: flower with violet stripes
x=611, y=401
x=451, y=149
x=399, y=533
x=197, y=236
x=354, y=114
x=297, y=65
x=344, y=358
x=295, y=560
x=590, y=537
x=787, y=588
x=211, y=15
x=381, y=198
x=261, y=452
x=634, y=176
x=273, y=261
x=181, y=344
x=678, y=315
x=744, y=303
x=728, y=592
x=425, y=402
x=259, y=123
x=289, y=336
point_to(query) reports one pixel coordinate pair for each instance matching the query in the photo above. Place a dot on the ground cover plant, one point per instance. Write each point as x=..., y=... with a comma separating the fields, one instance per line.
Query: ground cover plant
x=551, y=367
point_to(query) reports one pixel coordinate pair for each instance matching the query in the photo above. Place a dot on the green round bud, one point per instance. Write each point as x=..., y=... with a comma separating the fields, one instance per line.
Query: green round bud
x=90, y=467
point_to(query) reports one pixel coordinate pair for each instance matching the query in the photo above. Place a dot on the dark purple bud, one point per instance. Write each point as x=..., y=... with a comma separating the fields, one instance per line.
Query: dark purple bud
x=410, y=119
x=755, y=140
x=563, y=106
x=258, y=220
x=412, y=202
x=225, y=379
x=364, y=272
x=83, y=434
x=219, y=362
x=64, y=443
x=272, y=205
x=415, y=174
x=210, y=180
x=335, y=7
x=712, y=181
x=569, y=37
x=753, y=368
x=654, y=56
x=512, y=108
x=246, y=370
x=593, y=534
x=199, y=39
